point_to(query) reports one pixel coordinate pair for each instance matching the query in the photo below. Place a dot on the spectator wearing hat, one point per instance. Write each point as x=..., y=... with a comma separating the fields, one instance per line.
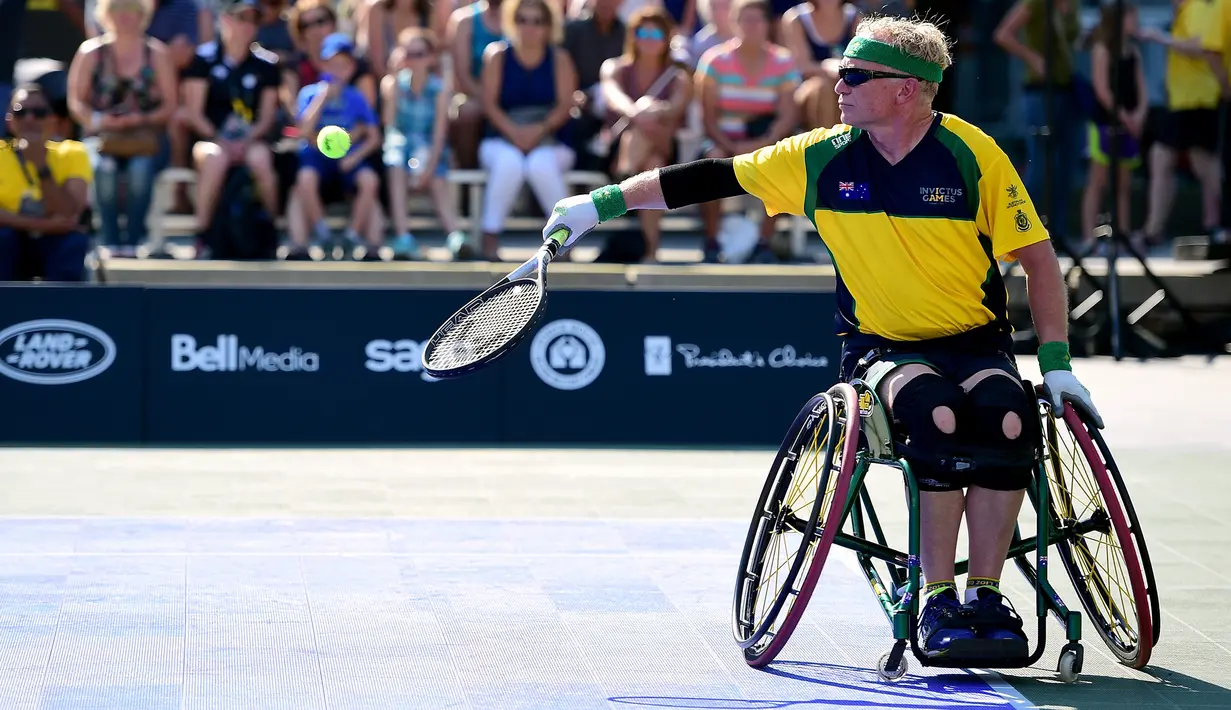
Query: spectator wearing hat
x=231, y=96
x=332, y=101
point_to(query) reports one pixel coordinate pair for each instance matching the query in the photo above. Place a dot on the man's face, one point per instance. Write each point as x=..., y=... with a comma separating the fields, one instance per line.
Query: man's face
x=607, y=8
x=241, y=24
x=27, y=115
x=871, y=101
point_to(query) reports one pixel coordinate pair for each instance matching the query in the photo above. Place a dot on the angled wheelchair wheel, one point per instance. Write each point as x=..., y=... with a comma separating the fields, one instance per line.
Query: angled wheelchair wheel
x=796, y=519
x=1099, y=537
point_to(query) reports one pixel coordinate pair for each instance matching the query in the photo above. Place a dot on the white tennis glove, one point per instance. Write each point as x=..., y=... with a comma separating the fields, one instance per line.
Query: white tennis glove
x=577, y=213
x=1062, y=384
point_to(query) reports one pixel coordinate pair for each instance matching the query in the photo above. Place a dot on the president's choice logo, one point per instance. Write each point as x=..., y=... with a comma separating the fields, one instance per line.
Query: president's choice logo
x=396, y=356
x=227, y=355
x=567, y=354
x=659, y=357
x=54, y=352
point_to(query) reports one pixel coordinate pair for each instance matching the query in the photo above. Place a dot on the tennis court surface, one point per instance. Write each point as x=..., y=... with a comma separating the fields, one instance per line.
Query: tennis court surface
x=510, y=578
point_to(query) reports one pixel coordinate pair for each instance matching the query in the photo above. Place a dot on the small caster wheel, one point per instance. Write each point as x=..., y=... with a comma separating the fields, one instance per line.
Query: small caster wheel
x=1068, y=667
x=891, y=676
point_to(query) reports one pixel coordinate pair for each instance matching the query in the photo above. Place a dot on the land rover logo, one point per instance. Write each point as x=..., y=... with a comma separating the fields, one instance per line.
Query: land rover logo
x=54, y=352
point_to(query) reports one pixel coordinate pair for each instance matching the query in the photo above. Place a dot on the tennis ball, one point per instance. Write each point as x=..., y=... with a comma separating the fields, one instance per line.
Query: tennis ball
x=333, y=141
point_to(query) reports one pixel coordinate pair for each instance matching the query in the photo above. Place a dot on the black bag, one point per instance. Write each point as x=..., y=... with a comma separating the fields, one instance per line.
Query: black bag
x=242, y=229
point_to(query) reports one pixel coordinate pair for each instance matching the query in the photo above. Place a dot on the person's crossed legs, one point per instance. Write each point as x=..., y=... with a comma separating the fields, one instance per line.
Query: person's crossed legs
x=986, y=410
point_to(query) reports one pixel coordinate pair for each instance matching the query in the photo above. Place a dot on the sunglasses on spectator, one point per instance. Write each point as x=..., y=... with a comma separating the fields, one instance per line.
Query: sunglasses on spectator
x=321, y=21
x=24, y=111
x=418, y=54
x=654, y=33
x=857, y=77
x=524, y=21
x=248, y=17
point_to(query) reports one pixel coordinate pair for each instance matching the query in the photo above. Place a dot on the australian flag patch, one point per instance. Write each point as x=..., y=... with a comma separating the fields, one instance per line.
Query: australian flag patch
x=853, y=190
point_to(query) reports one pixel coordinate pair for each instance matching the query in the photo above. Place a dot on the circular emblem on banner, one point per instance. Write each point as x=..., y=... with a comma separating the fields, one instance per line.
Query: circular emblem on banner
x=567, y=354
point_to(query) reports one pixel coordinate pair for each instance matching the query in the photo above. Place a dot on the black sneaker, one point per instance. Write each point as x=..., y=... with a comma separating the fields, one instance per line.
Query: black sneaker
x=994, y=617
x=943, y=621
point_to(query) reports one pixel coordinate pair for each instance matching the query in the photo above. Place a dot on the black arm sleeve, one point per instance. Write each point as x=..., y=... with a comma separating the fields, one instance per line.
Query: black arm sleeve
x=699, y=181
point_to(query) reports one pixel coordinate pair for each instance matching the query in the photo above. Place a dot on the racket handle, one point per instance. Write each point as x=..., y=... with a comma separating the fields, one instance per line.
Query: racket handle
x=556, y=239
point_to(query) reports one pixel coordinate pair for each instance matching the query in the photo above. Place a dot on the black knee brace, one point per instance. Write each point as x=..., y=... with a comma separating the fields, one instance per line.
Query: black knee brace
x=988, y=402
x=912, y=408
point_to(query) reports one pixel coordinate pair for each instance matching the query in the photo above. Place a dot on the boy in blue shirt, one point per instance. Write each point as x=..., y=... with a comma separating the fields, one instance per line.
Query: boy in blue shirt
x=332, y=101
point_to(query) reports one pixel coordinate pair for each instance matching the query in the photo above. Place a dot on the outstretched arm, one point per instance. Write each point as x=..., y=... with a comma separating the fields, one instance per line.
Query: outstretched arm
x=666, y=188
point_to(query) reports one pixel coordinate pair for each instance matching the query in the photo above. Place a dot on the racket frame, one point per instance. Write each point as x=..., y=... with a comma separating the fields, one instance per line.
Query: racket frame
x=534, y=269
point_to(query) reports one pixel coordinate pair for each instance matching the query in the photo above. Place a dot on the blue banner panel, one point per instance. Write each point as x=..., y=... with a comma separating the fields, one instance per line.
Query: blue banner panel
x=70, y=364
x=308, y=366
x=670, y=367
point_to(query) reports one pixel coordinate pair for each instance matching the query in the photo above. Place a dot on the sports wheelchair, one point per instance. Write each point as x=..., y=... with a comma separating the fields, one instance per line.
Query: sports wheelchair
x=815, y=498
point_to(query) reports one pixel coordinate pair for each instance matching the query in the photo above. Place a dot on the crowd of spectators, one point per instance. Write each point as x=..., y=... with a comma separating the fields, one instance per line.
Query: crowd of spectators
x=525, y=90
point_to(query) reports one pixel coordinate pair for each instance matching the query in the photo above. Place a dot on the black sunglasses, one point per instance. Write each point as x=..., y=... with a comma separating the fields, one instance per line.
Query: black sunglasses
x=21, y=111
x=318, y=22
x=856, y=77
x=530, y=21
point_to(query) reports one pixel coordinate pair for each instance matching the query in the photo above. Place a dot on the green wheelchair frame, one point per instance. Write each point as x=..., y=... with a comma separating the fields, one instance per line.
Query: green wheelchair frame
x=855, y=433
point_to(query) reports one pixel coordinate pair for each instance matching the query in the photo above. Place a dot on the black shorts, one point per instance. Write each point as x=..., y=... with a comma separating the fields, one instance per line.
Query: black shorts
x=956, y=357
x=1190, y=128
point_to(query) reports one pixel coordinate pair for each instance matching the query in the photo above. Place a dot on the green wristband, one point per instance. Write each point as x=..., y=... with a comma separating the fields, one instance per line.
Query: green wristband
x=609, y=201
x=1054, y=356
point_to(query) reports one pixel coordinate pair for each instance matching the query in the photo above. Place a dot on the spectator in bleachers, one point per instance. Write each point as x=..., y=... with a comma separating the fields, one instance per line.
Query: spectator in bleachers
x=310, y=22
x=1217, y=44
x=387, y=18
x=1192, y=125
x=1062, y=136
x=647, y=95
x=591, y=39
x=274, y=33
x=747, y=90
x=231, y=97
x=471, y=29
x=416, y=116
x=44, y=191
x=528, y=84
x=816, y=32
x=122, y=90
x=182, y=25
x=332, y=101
x=1129, y=119
x=719, y=27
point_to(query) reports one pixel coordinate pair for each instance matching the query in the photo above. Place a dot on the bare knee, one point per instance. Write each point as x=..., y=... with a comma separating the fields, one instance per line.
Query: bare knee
x=945, y=419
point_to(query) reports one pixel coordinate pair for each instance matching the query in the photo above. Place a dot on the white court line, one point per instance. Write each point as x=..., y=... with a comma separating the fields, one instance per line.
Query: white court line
x=426, y=553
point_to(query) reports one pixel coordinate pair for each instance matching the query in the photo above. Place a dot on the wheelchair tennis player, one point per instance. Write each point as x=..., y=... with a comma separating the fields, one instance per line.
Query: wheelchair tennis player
x=916, y=207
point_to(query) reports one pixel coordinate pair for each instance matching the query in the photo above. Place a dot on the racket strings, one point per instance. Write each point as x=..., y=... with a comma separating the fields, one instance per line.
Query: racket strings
x=495, y=321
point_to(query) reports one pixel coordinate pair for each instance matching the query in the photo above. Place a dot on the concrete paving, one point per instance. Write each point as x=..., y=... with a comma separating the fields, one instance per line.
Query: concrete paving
x=492, y=578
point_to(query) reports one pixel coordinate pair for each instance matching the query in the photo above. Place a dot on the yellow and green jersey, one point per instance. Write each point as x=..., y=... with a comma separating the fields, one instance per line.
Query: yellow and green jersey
x=915, y=244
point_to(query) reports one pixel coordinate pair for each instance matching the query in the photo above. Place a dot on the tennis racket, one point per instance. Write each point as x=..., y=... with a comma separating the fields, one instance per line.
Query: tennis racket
x=493, y=323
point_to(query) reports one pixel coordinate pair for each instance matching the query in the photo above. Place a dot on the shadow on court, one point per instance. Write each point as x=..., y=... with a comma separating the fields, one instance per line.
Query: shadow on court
x=1155, y=687
x=949, y=690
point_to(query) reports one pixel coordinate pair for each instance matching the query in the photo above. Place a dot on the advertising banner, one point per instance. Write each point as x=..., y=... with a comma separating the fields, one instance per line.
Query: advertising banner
x=281, y=366
x=71, y=365
x=310, y=366
x=671, y=367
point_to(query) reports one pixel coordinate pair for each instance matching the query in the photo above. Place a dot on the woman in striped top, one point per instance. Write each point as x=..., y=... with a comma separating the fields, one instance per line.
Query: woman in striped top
x=747, y=89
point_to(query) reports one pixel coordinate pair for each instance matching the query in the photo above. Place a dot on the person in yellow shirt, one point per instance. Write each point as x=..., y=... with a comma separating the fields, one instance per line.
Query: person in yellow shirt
x=1191, y=125
x=44, y=190
x=916, y=207
x=1217, y=45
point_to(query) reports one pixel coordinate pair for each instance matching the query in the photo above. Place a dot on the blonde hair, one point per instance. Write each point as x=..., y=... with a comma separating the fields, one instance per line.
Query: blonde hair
x=103, y=9
x=508, y=15
x=918, y=38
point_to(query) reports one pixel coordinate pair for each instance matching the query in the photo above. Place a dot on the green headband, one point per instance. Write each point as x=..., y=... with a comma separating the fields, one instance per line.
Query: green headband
x=871, y=50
